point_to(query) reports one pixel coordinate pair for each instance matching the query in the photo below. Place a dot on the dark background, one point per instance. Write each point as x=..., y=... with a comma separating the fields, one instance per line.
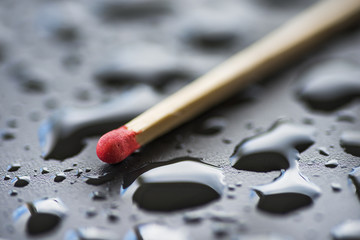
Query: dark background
x=65, y=43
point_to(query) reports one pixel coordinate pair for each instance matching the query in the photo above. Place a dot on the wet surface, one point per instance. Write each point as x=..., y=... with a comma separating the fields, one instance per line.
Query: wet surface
x=71, y=71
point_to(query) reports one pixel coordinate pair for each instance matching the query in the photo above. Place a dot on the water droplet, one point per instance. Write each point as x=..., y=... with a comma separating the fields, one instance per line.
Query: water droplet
x=239, y=184
x=193, y=217
x=7, y=134
x=99, y=179
x=350, y=141
x=44, y=170
x=21, y=181
x=288, y=192
x=87, y=169
x=222, y=216
x=155, y=231
x=40, y=216
x=62, y=135
x=347, y=230
x=333, y=163
x=113, y=216
x=123, y=11
x=69, y=169
x=220, y=229
x=91, y=212
x=345, y=116
x=12, y=123
x=336, y=187
x=59, y=177
x=231, y=187
x=323, y=151
x=354, y=175
x=330, y=84
x=97, y=195
x=51, y=103
x=13, y=167
x=79, y=172
x=226, y=141
x=180, y=184
x=91, y=233
x=13, y=193
x=7, y=177
x=211, y=126
x=276, y=149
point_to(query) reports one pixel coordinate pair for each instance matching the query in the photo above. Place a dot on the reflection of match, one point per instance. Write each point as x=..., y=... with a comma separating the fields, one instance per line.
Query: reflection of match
x=265, y=56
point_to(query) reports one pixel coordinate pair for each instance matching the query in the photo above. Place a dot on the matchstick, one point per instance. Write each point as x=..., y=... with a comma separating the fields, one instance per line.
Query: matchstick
x=278, y=48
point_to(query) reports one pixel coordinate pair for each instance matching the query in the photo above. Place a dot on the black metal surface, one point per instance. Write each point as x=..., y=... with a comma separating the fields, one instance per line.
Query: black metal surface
x=54, y=54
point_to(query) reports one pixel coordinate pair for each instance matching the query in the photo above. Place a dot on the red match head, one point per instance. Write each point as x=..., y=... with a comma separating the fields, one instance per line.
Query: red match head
x=116, y=145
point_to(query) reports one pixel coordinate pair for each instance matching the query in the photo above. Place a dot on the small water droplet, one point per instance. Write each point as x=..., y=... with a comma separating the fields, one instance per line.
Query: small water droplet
x=79, y=172
x=336, y=187
x=323, y=151
x=346, y=116
x=333, y=163
x=347, y=230
x=87, y=169
x=239, y=184
x=220, y=229
x=7, y=135
x=44, y=170
x=97, y=195
x=13, y=167
x=69, y=169
x=99, y=179
x=91, y=212
x=59, y=177
x=21, y=181
x=13, y=193
x=7, y=177
x=193, y=217
x=113, y=216
x=12, y=123
x=231, y=187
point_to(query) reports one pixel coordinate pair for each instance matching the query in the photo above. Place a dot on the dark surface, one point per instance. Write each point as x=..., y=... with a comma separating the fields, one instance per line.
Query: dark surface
x=52, y=54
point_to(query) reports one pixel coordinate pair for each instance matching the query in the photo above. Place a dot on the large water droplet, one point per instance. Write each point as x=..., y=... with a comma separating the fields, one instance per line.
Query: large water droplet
x=61, y=136
x=349, y=230
x=13, y=167
x=155, y=231
x=178, y=185
x=350, y=141
x=91, y=233
x=276, y=149
x=40, y=216
x=330, y=84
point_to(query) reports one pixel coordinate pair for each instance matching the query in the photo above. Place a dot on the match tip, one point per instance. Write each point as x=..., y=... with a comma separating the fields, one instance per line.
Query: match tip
x=116, y=145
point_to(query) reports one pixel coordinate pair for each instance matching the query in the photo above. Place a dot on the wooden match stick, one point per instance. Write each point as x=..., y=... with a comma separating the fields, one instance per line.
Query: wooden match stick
x=279, y=47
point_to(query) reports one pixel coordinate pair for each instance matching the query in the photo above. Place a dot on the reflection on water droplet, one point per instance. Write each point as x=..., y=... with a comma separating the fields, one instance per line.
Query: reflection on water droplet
x=180, y=184
x=40, y=216
x=155, y=231
x=330, y=84
x=91, y=233
x=347, y=230
x=350, y=141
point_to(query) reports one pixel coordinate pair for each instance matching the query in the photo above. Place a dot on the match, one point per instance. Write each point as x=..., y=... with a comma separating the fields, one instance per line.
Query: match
x=300, y=34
